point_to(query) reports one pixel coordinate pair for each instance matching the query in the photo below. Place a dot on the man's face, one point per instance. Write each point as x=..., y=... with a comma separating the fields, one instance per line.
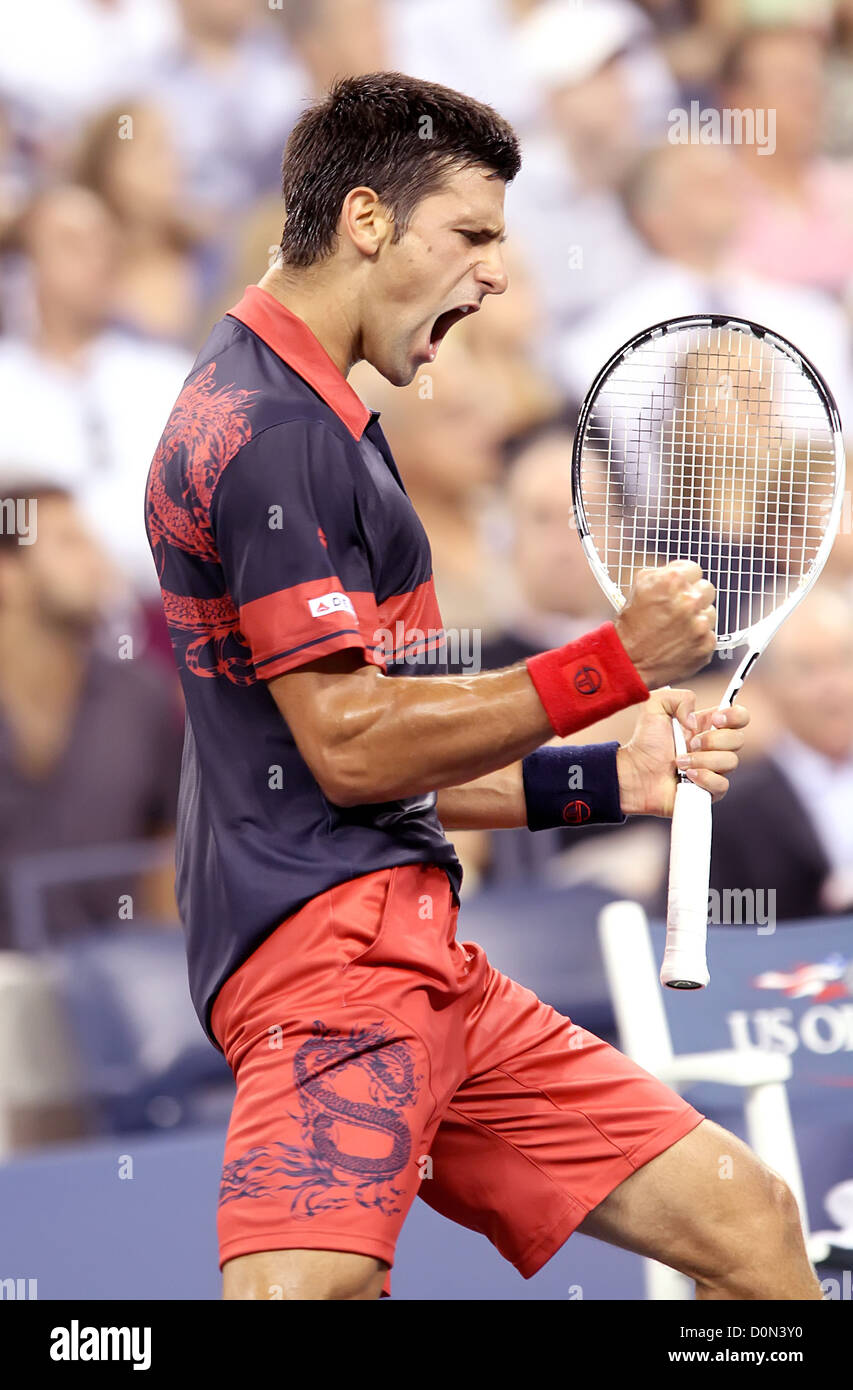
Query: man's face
x=447, y=443
x=443, y=267
x=551, y=568
x=73, y=246
x=597, y=123
x=144, y=178
x=224, y=19
x=340, y=37
x=784, y=73
x=62, y=578
x=691, y=210
x=810, y=681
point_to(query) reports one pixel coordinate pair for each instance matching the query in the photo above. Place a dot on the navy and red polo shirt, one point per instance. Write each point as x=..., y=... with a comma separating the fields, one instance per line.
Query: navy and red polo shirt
x=281, y=532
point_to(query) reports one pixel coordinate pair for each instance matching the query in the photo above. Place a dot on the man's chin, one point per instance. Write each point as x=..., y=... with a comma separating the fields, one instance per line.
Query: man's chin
x=398, y=373
x=397, y=361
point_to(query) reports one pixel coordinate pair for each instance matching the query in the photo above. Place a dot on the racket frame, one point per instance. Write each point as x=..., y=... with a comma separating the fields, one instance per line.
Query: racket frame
x=755, y=637
x=759, y=633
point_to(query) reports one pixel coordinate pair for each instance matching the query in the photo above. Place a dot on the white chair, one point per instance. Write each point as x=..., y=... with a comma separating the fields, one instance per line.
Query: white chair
x=632, y=976
x=39, y=1064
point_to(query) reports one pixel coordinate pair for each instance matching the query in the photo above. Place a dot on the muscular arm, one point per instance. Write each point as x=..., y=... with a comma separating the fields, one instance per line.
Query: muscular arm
x=371, y=738
x=493, y=802
x=368, y=737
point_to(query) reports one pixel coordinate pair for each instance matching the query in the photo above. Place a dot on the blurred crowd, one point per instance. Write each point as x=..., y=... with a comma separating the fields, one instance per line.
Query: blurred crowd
x=140, y=145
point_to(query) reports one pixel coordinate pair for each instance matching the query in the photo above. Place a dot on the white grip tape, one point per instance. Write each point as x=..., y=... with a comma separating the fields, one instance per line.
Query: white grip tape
x=684, y=961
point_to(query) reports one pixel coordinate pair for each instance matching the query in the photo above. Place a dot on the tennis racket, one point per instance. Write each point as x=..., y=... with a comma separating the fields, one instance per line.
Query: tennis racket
x=714, y=440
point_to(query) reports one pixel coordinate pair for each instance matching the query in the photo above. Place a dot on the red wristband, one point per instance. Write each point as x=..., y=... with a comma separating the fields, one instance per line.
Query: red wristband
x=586, y=680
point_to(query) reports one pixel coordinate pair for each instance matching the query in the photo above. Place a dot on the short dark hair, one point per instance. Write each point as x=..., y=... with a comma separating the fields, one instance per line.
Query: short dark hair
x=396, y=134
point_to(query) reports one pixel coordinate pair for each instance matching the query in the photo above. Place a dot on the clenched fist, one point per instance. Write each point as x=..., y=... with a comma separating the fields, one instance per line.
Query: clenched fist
x=667, y=625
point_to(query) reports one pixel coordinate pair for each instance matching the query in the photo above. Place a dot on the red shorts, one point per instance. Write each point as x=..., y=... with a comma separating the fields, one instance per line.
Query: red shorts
x=378, y=1059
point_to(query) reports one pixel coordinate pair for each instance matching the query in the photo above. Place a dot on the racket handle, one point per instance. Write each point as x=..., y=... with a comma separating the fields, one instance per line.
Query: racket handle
x=684, y=961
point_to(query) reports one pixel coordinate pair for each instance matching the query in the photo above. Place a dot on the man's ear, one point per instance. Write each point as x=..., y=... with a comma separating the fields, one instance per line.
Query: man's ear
x=366, y=220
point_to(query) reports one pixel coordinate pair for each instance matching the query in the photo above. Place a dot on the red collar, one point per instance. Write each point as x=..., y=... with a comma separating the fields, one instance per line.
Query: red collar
x=292, y=340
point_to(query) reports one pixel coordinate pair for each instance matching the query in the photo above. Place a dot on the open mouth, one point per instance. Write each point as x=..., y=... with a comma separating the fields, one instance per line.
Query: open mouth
x=445, y=322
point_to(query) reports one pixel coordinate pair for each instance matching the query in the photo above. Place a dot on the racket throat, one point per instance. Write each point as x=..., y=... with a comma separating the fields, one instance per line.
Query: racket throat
x=743, y=670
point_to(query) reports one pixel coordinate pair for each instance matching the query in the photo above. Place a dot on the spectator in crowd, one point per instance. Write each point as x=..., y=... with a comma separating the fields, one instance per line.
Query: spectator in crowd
x=557, y=595
x=507, y=347
x=332, y=37
x=62, y=60
x=255, y=241
x=786, y=823
x=683, y=201
x=838, y=87
x=14, y=180
x=445, y=431
x=231, y=90
x=89, y=742
x=798, y=205
x=127, y=156
x=426, y=40
x=839, y=565
x=84, y=401
x=556, y=599
x=694, y=36
x=563, y=204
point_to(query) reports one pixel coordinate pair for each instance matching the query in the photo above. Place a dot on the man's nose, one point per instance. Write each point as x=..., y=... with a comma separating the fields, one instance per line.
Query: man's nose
x=491, y=273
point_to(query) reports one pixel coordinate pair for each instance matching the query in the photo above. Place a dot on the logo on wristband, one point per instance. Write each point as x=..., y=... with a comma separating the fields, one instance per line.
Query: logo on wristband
x=576, y=812
x=587, y=680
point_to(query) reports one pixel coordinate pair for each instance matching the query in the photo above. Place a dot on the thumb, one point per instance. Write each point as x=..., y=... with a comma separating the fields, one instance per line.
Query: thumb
x=678, y=704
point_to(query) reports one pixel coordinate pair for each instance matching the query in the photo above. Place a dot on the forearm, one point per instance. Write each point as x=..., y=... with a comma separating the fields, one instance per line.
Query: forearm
x=493, y=802
x=564, y=784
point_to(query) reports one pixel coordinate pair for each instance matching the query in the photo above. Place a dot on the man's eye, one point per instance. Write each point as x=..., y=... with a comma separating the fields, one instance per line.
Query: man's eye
x=472, y=237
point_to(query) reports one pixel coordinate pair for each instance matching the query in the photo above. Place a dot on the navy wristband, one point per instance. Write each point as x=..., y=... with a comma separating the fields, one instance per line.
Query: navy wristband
x=572, y=786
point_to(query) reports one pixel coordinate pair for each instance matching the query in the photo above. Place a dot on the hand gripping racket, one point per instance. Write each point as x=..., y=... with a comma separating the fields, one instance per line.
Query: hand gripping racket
x=714, y=440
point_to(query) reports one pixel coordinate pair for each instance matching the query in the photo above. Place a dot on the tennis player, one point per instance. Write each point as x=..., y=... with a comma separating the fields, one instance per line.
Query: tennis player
x=376, y=1056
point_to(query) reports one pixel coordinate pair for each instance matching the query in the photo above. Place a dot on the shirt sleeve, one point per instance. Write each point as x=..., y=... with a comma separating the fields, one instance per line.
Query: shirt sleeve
x=285, y=520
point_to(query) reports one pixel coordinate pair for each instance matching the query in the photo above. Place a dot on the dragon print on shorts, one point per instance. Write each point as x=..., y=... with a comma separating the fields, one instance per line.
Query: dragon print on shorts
x=358, y=1080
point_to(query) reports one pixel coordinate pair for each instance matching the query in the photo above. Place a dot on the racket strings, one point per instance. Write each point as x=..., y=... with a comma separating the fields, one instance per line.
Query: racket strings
x=713, y=445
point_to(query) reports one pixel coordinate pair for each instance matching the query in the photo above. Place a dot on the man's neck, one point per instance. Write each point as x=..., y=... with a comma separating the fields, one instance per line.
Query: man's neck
x=62, y=337
x=704, y=264
x=321, y=306
x=40, y=692
x=46, y=657
x=791, y=746
x=786, y=174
